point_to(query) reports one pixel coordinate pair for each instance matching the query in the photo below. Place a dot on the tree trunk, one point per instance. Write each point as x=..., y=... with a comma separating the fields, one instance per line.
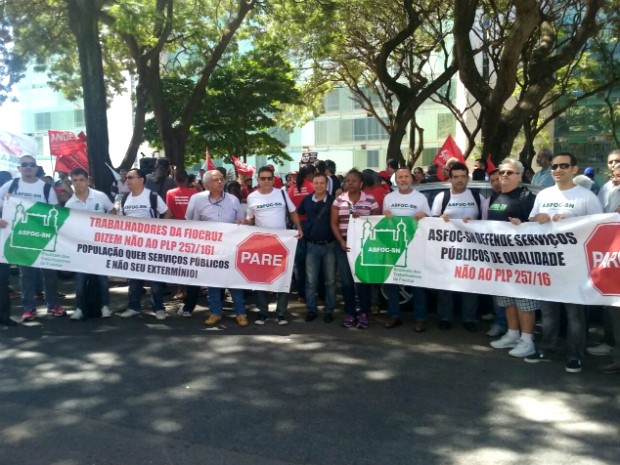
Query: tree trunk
x=137, y=136
x=84, y=24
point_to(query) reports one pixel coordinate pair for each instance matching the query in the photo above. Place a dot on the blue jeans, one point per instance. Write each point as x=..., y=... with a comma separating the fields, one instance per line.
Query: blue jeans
x=263, y=306
x=321, y=257
x=299, y=269
x=348, y=286
x=418, y=301
x=500, y=315
x=214, y=297
x=575, y=331
x=135, y=294
x=27, y=282
x=445, y=305
x=5, y=298
x=80, y=288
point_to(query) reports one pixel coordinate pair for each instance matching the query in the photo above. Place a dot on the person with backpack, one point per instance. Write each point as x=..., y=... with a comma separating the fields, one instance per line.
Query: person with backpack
x=28, y=186
x=85, y=198
x=141, y=202
x=458, y=202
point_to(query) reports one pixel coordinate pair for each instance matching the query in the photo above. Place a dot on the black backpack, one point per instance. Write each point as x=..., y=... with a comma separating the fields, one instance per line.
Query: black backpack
x=446, y=200
x=153, y=199
x=46, y=189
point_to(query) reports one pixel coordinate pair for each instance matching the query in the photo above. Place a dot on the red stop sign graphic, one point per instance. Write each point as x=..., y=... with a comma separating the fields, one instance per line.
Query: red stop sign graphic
x=603, y=255
x=261, y=258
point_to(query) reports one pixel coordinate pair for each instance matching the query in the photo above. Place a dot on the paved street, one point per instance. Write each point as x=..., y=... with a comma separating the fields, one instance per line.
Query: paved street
x=142, y=391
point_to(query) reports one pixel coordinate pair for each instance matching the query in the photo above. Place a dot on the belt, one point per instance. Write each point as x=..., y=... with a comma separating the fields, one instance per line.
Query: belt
x=320, y=242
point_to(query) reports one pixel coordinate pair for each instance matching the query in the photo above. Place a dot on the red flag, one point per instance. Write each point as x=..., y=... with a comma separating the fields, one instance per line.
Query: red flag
x=208, y=162
x=490, y=165
x=447, y=151
x=65, y=143
x=68, y=163
x=242, y=167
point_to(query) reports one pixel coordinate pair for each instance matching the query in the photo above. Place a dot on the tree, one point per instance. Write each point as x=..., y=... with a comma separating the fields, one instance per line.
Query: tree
x=243, y=98
x=524, y=38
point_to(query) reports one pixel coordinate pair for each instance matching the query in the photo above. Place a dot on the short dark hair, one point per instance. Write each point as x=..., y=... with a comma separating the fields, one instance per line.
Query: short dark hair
x=181, y=176
x=330, y=165
x=321, y=166
x=458, y=166
x=392, y=163
x=496, y=170
x=79, y=172
x=573, y=158
x=355, y=172
x=319, y=174
x=262, y=169
x=139, y=172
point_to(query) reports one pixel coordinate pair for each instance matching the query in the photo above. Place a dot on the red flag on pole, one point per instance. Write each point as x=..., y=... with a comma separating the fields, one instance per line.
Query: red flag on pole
x=65, y=143
x=242, y=167
x=447, y=151
x=69, y=162
x=490, y=165
x=209, y=166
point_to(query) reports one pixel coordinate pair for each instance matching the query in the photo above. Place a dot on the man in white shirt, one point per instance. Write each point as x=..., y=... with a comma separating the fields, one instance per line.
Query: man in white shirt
x=406, y=202
x=141, y=204
x=267, y=208
x=85, y=198
x=31, y=187
x=564, y=200
x=457, y=203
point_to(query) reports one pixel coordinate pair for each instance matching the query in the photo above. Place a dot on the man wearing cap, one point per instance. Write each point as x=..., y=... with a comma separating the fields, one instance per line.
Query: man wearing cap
x=590, y=172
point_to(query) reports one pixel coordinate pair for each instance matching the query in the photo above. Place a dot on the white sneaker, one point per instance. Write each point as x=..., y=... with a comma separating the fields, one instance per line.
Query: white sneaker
x=523, y=349
x=77, y=314
x=129, y=313
x=160, y=314
x=184, y=313
x=487, y=317
x=105, y=312
x=506, y=342
x=601, y=349
x=495, y=330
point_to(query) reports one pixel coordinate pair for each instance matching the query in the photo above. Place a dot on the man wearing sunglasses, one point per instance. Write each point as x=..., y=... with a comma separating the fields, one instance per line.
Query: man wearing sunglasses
x=564, y=200
x=613, y=159
x=31, y=187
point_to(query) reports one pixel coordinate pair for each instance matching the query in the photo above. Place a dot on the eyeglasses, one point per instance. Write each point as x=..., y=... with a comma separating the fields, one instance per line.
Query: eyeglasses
x=506, y=173
x=266, y=178
x=28, y=164
x=562, y=166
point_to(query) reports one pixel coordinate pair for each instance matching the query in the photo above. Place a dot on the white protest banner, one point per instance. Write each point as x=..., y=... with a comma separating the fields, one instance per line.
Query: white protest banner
x=574, y=260
x=12, y=147
x=182, y=252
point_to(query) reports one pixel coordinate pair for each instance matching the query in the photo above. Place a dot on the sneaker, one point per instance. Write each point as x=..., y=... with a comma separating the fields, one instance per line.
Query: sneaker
x=29, y=315
x=610, y=369
x=105, y=312
x=282, y=321
x=262, y=319
x=393, y=323
x=213, y=320
x=523, y=349
x=349, y=321
x=184, y=313
x=328, y=317
x=362, y=321
x=601, y=349
x=487, y=317
x=160, y=314
x=495, y=330
x=310, y=316
x=538, y=357
x=420, y=326
x=506, y=342
x=56, y=310
x=129, y=313
x=573, y=366
x=77, y=315
x=242, y=320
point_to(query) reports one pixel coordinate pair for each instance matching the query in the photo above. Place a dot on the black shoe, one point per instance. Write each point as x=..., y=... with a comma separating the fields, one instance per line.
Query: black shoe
x=444, y=325
x=328, y=318
x=573, y=366
x=393, y=323
x=7, y=322
x=538, y=357
x=310, y=316
x=470, y=326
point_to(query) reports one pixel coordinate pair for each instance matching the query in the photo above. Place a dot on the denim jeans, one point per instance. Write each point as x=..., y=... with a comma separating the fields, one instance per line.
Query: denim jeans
x=214, y=297
x=418, y=301
x=263, y=306
x=321, y=257
x=135, y=294
x=445, y=305
x=575, y=331
x=348, y=286
x=27, y=282
x=299, y=269
x=5, y=298
x=80, y=289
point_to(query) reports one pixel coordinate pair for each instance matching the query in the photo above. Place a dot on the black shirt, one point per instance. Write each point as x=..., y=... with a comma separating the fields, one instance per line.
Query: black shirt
x=318, y=225
x=515, y=204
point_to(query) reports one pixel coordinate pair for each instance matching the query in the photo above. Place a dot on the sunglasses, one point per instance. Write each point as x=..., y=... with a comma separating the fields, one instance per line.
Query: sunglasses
x=28, y=164
x=266, y=178
x=506, y=173
x=562, y=166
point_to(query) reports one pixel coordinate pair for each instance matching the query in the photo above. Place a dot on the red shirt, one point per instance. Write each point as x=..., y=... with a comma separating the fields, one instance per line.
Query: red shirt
x=378, y=192
x=177, y=200
x=297, y=196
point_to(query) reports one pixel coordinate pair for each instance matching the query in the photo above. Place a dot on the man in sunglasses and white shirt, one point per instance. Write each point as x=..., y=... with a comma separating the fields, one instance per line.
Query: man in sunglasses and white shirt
x=31, y=187
x=563, y=200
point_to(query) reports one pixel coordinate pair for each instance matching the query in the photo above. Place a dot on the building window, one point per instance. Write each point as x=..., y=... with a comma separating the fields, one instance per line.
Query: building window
x=42, y=121
x=445, y=125
x=78, y=118
x=372, y=158
x=332, y=101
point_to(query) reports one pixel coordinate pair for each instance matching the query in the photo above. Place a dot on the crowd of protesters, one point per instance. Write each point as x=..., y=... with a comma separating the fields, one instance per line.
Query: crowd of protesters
x=319, y=205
